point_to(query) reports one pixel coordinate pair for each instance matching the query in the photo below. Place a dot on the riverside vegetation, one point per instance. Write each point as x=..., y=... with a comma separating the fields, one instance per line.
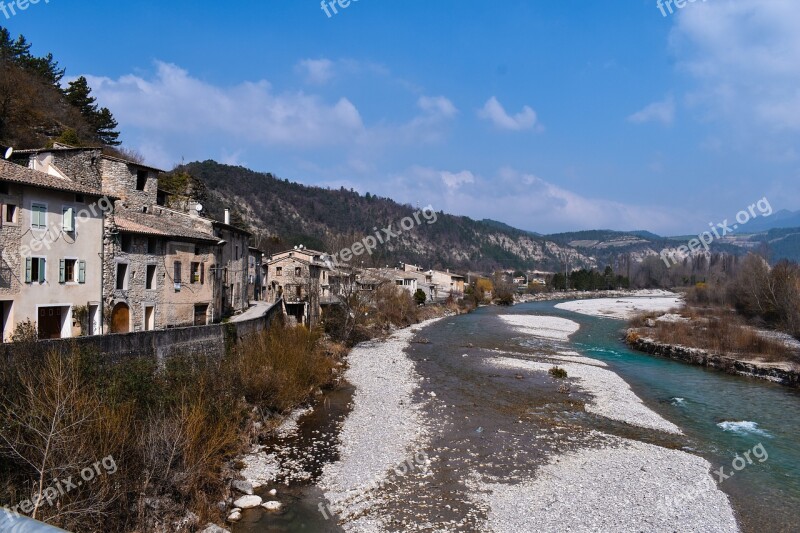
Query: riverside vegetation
x=175, y=431
x=751, y=314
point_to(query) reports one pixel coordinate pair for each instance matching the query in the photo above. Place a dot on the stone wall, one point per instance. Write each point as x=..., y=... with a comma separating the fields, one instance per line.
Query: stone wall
x=208, y=341
x=119, y=180
x=700, y=357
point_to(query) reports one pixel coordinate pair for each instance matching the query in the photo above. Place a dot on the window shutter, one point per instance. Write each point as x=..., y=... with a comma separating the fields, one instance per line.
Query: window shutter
x=82, y=272
x=202, y=273
x=62, y=265
x=177, y=272
x=28, y=269
x=41, y=270
x=69, y=219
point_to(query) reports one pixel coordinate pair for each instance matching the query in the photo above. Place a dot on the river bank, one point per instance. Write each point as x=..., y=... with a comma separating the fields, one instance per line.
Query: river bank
x=482, y=458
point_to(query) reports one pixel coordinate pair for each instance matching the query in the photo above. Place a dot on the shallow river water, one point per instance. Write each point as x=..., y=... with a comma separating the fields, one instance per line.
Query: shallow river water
x=501, y=425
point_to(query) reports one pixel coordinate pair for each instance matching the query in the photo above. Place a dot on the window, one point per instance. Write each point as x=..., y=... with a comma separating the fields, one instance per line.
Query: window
x=35, y=269
x=150, y=281
x=237, y=252
x=176, y=277
x=152, y=245
x=38, y=216
x=279, y=271
x=196, y=250
x=141, y=180
x=67, y=270
x=126, y=243
x=11, y=213
x=122, y=276
x=68, y=224
x=195, y=273
x=298, y=271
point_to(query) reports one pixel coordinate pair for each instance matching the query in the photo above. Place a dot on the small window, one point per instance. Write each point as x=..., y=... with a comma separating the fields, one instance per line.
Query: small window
x=11, y=213
x=68, y=224
x=150, y=282
x=126, y=243
x=195, y=273
x=141, y=180
x=196, y=250
x=298, y=271
x=67, y=271
x=237, y=252
x=152, y=245
x=122, y=275
x=279, y=271
x=35, y=270
x=38, y=216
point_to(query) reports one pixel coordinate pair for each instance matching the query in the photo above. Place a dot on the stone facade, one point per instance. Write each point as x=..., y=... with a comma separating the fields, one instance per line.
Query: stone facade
x=301, y=278
x=162, y=268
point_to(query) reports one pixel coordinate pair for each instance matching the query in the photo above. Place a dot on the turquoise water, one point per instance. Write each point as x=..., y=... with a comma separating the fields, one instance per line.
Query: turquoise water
x=721, y=415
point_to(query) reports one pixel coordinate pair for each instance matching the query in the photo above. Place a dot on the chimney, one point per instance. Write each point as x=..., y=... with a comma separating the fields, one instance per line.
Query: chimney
x=227, y=216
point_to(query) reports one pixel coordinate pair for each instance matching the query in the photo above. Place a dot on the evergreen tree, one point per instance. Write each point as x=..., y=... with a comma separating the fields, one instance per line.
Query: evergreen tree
x=79, y=95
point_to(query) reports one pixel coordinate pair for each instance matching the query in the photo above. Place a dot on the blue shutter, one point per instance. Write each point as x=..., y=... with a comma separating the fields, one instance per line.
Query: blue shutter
x=28, y=269
x=82, y=272
x=62, y=266
x=42, y=265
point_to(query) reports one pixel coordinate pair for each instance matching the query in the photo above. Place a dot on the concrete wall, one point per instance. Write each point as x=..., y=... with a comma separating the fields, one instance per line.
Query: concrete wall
x=209, y=341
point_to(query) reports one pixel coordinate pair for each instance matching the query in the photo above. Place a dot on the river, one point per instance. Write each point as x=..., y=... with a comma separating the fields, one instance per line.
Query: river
x=502, y=425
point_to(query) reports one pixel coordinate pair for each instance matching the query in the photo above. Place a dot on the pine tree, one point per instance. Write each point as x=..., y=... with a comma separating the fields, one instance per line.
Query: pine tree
x=79, y=95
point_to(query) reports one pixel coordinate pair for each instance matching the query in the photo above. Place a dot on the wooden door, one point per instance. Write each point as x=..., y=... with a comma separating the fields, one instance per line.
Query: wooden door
x=120, y=319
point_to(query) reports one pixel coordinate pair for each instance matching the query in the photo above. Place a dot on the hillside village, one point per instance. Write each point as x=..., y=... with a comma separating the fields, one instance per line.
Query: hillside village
x=89, y=247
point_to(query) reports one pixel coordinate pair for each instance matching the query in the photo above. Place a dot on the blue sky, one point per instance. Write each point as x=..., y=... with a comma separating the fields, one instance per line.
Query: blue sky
x=547, y=115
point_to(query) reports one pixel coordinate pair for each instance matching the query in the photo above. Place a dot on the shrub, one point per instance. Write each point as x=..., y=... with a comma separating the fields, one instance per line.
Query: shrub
x=557, y=372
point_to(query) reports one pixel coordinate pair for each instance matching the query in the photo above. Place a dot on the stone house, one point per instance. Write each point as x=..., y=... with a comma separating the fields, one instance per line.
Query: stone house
x=302, y=278
x=51, y=234
x=231, y=270
x=256, y=275
x=447, y=284
x=162, y=267
x=158, y=276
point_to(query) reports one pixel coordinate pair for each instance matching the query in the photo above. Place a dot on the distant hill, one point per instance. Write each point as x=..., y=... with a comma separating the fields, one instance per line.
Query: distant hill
x=283, y=214
x=779, y=220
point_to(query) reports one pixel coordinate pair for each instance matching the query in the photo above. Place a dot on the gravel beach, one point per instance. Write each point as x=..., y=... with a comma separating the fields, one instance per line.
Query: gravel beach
x=624, y=485
x=384, y=429
x=622, y=308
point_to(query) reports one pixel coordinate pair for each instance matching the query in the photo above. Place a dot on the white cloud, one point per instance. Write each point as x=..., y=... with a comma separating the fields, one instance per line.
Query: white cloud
x=663, y=112
x=437, y=105
x=526, y=201
x=744, y=56
x=495, y=113
x=455, y=180
x=174, y=102
x=317, y=71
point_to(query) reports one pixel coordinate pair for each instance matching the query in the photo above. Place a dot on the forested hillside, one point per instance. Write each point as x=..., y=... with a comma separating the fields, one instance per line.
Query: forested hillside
x=36, y=110
x=282, y=214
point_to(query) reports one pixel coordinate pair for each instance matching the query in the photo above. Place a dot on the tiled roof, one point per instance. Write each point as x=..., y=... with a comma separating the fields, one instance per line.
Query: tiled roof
x=163, y=224
x=14, y=173
x=31, y=151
